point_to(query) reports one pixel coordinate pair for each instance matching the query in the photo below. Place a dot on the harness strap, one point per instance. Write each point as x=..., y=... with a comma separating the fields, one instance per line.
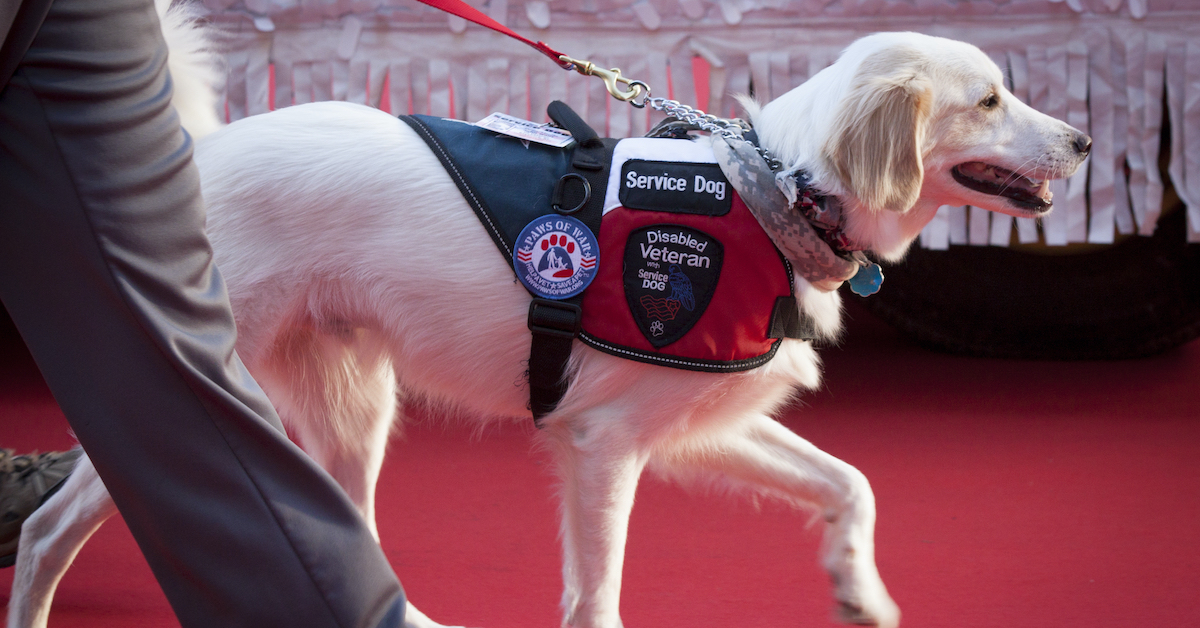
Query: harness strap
x=787, y=321
x=555, y=324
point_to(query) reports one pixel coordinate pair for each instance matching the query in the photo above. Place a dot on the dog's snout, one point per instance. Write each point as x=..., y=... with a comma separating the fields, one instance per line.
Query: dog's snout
x=1083, y=144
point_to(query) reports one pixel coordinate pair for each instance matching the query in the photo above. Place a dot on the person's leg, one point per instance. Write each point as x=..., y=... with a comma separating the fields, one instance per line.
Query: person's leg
x=107, y=273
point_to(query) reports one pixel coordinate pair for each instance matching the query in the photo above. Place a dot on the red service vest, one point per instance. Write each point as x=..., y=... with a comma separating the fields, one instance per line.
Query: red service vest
x=665, y=223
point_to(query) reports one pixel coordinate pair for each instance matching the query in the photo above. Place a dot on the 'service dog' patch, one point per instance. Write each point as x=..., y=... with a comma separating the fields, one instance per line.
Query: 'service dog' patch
x=556, y=256
x=670, y=274
x=675, y=187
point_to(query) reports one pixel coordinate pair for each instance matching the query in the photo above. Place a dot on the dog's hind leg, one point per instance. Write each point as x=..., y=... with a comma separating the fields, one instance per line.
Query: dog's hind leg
x=50, y=539
x=599, y=468
x=765, y=457
x=335, y=390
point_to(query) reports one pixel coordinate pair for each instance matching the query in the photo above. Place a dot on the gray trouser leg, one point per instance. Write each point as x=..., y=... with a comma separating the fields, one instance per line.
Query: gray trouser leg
x=107, y=272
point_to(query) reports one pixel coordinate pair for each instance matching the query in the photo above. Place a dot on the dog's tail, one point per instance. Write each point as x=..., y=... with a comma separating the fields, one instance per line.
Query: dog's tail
x=194, y=64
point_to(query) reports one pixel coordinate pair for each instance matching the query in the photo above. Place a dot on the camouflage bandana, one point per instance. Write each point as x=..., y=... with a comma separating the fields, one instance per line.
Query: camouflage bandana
x=791, y=232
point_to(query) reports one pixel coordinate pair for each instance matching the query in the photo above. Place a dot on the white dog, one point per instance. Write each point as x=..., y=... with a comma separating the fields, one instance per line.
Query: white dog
x=324, y=216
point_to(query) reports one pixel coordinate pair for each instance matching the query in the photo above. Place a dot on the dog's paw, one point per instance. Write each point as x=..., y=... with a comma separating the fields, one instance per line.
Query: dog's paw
x=884, y=613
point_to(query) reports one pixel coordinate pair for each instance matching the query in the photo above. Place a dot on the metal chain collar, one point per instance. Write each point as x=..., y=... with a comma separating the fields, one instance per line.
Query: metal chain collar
x=725, y=127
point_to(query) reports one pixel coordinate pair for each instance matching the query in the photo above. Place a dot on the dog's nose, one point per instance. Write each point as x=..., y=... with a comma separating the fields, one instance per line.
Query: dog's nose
x=1083, y=144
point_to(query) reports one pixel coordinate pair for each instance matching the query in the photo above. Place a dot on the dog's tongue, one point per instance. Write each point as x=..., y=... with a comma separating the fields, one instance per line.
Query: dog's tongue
x=1008, y=179
x=1002, y=177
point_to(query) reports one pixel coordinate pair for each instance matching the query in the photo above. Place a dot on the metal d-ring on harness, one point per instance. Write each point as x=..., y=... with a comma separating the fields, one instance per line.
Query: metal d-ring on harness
x=560, y=193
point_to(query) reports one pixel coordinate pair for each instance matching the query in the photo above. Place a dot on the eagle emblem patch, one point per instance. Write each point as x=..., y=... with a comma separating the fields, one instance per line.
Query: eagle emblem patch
x=670, y=275
x=556, y=256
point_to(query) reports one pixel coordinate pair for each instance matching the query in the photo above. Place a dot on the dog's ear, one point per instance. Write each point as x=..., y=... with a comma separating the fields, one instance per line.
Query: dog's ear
x=876, y=145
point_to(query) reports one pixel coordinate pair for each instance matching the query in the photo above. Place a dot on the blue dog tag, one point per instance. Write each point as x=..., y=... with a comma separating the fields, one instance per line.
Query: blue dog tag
x=867, y=280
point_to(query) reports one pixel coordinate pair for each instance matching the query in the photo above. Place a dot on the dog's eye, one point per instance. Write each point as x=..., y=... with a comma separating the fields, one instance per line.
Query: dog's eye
x=990, y=102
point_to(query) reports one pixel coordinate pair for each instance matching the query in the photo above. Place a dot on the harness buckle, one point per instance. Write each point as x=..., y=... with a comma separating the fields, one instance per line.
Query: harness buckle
x=555, y=318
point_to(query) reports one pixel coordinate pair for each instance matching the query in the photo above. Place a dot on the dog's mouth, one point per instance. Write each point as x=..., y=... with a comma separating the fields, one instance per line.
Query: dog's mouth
x=1029, y=194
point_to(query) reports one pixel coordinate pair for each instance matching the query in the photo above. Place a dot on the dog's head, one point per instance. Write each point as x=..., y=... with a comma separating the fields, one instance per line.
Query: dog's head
x=905, y=123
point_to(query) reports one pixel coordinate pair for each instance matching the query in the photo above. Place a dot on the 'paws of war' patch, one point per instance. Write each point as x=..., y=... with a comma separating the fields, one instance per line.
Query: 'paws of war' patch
x=556, y=256
x=670, y=275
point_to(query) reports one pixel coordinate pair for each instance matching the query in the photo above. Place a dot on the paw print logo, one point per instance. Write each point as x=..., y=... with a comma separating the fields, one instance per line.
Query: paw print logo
x=656, y=328
x=555, y=257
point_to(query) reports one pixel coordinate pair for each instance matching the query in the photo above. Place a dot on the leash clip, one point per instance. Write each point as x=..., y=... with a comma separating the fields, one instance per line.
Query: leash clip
x=612, y=78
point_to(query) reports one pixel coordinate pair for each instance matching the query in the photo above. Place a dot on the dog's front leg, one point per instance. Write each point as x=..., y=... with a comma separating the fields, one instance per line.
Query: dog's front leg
x=765, y=457
x=599, y=470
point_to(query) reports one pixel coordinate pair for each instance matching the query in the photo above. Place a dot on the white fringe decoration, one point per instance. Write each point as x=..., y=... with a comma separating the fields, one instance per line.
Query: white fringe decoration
x=1109, y=67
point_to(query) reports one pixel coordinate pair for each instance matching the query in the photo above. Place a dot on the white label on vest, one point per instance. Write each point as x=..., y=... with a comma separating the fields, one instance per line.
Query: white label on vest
x=526, y=130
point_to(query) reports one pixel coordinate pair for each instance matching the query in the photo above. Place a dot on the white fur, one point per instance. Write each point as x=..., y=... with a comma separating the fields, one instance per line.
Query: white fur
x=195, y=66
x=330, y=222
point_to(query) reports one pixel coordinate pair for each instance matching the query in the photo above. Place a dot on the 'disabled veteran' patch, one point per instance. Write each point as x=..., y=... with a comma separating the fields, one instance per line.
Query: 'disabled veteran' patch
x=675, y=187
x=670, y=275
x=556, y=256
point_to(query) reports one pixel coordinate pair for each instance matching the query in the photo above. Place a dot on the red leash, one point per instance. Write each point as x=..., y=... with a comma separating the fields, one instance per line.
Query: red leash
x=612, y=78
x=471, y=14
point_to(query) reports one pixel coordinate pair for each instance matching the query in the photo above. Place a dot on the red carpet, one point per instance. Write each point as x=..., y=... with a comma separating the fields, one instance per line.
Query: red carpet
x=1010, y=494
